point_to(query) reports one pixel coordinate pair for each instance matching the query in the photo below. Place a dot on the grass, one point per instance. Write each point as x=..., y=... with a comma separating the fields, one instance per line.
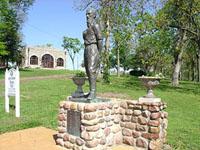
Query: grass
x=40, y=98
x=38, y=72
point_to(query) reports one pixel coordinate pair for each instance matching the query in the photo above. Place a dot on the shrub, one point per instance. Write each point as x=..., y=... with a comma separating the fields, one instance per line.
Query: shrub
x=80, y=74
x=137, y=73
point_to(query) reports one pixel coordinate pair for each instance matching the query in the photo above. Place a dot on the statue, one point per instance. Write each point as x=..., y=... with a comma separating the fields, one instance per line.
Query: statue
x=93, y=46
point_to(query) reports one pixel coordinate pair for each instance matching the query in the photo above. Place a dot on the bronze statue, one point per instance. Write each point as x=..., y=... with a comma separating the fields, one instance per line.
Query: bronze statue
x=93, y=46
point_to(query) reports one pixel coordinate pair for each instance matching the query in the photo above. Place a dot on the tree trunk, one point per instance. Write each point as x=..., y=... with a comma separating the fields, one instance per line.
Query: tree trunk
x=189, y=74
x=180, y=46
x=73, y=64
x=118, y=63
x=198, y=65
x=193, y=69
x=6, y=59
x=180, y=74
x=106, y=54
x=189, y=71
x=124, y=70
x=177, y=68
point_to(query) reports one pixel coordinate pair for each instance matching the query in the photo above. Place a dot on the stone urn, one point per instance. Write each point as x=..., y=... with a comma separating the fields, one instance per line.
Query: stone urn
x=79, y=81
x=150, y=83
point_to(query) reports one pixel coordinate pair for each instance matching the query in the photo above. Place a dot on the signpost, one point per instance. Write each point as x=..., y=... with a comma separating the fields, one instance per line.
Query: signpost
x=12, y=89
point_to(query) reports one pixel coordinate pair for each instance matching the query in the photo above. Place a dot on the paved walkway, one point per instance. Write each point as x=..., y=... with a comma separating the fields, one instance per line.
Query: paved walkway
x=38, y=138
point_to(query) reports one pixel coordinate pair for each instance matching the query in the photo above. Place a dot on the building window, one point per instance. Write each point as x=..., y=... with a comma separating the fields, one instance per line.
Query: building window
x=60, y=62
x=34, y=60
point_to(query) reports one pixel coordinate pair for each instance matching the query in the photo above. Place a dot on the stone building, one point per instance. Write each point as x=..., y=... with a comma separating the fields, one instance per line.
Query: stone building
x=44, y=57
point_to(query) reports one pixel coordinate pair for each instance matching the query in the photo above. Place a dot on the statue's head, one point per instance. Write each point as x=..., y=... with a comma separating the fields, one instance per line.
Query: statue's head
x=90, y=15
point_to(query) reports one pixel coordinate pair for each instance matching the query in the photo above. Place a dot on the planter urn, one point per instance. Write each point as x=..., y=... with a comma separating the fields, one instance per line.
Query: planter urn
x=150, y=83
x=79, y=81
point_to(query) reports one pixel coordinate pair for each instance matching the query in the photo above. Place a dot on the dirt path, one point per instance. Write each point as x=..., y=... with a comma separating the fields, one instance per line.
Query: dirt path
x=38, y=138
x=24, y=79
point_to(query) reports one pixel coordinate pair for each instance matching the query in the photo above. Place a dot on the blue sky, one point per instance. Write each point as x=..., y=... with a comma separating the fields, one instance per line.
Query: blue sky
x=49, y=20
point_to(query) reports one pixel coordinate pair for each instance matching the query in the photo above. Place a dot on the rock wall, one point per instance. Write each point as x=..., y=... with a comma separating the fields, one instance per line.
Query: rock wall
x=141, y=125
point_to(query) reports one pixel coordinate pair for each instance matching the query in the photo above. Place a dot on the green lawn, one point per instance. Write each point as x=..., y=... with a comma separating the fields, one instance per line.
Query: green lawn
x=40, y=98
x=38, y=72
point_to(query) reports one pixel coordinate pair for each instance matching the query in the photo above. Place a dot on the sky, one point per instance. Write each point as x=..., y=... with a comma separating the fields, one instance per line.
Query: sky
x=49, y=20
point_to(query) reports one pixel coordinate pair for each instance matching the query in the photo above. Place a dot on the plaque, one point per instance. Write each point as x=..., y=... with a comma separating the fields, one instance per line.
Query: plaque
x=74, y=122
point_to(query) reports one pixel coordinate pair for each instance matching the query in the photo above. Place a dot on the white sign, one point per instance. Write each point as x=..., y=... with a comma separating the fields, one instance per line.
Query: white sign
x=12, y=89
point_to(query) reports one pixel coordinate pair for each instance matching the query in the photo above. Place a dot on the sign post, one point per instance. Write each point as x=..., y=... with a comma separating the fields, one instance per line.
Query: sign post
x=12, y=89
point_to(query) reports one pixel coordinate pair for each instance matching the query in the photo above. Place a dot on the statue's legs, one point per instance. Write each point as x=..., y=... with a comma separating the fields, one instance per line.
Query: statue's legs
x=92, y=61
x=92, y=93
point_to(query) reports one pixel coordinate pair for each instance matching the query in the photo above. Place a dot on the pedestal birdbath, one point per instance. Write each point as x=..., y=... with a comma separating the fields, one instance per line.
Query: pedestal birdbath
x=79, y=81
x=150, y=83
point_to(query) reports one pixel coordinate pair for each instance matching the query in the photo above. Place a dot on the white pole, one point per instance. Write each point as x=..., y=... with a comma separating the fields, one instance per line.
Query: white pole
x=17, y=95
x=6, y=92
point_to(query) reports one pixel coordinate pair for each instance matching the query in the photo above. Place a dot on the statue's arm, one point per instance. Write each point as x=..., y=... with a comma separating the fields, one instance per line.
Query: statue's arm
x=99, y=37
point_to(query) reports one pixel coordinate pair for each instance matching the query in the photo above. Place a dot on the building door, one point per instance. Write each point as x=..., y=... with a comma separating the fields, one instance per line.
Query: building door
x=47, y=61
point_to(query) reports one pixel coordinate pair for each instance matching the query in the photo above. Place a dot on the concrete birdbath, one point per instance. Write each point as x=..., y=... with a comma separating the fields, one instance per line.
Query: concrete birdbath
x=150, y=83
x=79, y=81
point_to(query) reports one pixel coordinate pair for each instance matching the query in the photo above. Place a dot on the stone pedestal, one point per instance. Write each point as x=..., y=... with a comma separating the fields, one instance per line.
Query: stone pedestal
x=105, y=124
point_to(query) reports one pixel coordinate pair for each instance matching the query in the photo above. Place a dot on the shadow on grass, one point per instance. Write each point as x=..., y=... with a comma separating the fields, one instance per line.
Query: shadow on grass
x=26, y=70
x=184, y=87
x=131, y=82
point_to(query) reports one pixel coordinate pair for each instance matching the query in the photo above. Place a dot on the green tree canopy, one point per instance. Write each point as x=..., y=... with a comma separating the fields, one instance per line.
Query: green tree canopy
x=73, y=46
x=12, y=16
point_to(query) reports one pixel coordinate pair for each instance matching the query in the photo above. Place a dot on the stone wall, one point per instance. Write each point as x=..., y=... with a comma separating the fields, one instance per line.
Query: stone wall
x=40, y=51
x=141, y=125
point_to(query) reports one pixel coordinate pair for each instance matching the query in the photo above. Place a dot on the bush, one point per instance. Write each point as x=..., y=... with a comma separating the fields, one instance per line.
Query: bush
x=80, y=74
x=137, y=72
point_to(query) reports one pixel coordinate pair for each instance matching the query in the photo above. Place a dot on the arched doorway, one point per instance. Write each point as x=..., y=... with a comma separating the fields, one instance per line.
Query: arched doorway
x=47, y=61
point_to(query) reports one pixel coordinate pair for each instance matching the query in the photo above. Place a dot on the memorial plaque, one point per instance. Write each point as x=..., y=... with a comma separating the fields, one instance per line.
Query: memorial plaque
x=74, y=122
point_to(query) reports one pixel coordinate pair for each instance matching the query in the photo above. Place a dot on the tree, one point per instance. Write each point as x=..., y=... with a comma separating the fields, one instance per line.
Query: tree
x=162, y=29
x=3, y=9
x=122, y=35
x=192, y=12
x=73, y=46
x=172, y=17
x=12, y=16
x=183, y=17
x=189, y=66
x=3, y=51
x=108, y=10
x=153, y=52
